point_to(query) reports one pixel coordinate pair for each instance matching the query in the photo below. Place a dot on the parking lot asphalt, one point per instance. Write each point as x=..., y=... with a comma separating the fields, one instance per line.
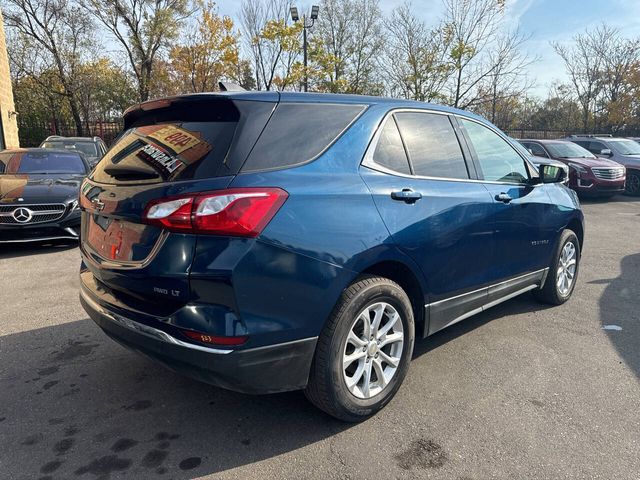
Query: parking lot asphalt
x=520, y=391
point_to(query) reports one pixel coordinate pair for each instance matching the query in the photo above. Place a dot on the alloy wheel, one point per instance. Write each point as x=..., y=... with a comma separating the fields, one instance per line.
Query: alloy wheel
x=566, y=268
x=633, y=184
x=373, y=350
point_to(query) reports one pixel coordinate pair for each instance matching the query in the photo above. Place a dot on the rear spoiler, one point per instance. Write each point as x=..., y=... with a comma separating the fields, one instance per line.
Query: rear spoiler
x=219, y=106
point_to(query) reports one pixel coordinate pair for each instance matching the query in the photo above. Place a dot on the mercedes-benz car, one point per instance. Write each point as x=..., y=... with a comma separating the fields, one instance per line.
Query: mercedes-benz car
x=39, y=194
x=265, y=241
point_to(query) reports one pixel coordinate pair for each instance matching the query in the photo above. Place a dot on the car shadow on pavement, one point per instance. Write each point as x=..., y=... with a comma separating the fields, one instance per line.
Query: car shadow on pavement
x=621, y=323
x=14, y=250
x=74, y=404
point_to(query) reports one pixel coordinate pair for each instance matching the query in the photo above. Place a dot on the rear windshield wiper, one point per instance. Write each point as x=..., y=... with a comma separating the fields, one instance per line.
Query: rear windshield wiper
x=123, y=172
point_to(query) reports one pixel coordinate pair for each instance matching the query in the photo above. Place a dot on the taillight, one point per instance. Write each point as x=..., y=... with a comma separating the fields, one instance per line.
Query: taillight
x=240, y=212
x=173, y=214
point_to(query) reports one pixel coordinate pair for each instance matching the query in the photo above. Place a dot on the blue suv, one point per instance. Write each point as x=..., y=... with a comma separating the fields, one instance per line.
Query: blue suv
x=266, y=242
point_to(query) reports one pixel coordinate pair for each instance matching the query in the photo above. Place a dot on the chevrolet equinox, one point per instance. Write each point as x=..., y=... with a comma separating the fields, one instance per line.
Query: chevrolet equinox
x=265, y=242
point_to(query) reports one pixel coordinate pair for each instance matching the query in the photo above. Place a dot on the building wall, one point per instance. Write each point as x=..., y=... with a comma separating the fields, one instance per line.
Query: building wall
x=7, y=107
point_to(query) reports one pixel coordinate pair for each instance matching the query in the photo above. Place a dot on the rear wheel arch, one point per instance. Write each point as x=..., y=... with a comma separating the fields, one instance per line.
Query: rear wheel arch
x=404, y=276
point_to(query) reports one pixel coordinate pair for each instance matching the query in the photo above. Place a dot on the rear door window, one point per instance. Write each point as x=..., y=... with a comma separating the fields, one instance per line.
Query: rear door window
x=432, y=145
x=389, y=151
x=298, y=132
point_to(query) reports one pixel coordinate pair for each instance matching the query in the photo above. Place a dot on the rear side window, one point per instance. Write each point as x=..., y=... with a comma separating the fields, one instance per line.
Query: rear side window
x=432, y=145
x=299, y=132
x=389, y=151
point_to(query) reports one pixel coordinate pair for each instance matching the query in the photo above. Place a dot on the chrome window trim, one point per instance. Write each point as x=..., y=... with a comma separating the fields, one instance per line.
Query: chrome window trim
x=368, y=161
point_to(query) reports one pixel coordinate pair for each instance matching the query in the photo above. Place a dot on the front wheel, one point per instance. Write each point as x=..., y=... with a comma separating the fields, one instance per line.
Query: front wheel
x=563, y=271
x=364, y=350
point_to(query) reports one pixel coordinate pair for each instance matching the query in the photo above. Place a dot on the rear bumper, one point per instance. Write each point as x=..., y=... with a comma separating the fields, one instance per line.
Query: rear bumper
x=268, y=369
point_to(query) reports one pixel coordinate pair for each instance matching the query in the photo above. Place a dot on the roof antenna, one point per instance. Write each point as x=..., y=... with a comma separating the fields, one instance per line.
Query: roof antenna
x=230, y=87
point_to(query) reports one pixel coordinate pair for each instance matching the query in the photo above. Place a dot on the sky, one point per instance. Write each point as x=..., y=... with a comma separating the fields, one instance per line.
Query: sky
x=543, y=20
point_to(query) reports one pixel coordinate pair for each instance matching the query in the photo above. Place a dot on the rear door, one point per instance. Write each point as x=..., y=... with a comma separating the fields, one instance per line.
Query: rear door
x=168, y=149
x=436, y=212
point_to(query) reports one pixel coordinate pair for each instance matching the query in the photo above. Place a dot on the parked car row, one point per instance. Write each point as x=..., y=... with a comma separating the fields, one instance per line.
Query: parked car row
x=598, y=165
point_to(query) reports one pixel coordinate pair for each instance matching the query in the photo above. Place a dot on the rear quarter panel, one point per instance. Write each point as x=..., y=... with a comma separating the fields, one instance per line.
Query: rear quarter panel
x=326, y=232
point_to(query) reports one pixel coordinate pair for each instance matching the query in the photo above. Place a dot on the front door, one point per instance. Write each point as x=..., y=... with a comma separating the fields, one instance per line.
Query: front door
x=520, y=211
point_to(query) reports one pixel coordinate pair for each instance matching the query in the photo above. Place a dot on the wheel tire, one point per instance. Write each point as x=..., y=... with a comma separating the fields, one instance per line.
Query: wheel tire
x=327, y=388
x=632, y=185
x=551, y=292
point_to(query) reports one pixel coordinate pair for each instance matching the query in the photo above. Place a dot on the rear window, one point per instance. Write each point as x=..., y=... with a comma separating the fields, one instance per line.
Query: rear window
x=89, y=149
x=41, y=162
x=167, y=152
x=299, y=132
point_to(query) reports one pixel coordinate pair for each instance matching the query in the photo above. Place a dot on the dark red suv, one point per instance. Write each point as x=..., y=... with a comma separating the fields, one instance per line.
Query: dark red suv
x=588, y=174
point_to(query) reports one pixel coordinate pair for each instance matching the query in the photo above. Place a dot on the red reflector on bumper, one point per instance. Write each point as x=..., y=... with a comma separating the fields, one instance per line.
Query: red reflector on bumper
x=215, y=340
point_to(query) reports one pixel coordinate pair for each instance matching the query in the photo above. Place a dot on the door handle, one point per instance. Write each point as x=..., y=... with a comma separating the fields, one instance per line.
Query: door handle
x=503, y=197
x=406, y=195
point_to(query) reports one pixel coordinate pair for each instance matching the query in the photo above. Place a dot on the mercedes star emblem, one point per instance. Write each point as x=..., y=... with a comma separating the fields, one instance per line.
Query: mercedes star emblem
x=22, y=215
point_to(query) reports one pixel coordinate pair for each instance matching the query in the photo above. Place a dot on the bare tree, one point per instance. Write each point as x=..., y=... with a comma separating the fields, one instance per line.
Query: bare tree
x=620, y=58
x=358, y=46
x=416, y=57
x=50, y=36
x=584, y=66
x=143, y=28
x=270, y=40
x=508, y=66
x=473, y=25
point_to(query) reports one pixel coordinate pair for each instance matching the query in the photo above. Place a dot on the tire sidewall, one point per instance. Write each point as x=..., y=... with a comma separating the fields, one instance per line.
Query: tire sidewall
x=381, y=292
x=635, y=174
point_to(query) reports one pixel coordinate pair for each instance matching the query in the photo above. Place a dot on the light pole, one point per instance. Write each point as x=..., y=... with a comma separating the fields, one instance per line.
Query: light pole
x=295, y=17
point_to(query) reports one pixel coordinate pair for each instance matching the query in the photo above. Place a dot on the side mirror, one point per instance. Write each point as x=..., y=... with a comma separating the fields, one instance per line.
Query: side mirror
x=551, y=173
x=607, y=152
